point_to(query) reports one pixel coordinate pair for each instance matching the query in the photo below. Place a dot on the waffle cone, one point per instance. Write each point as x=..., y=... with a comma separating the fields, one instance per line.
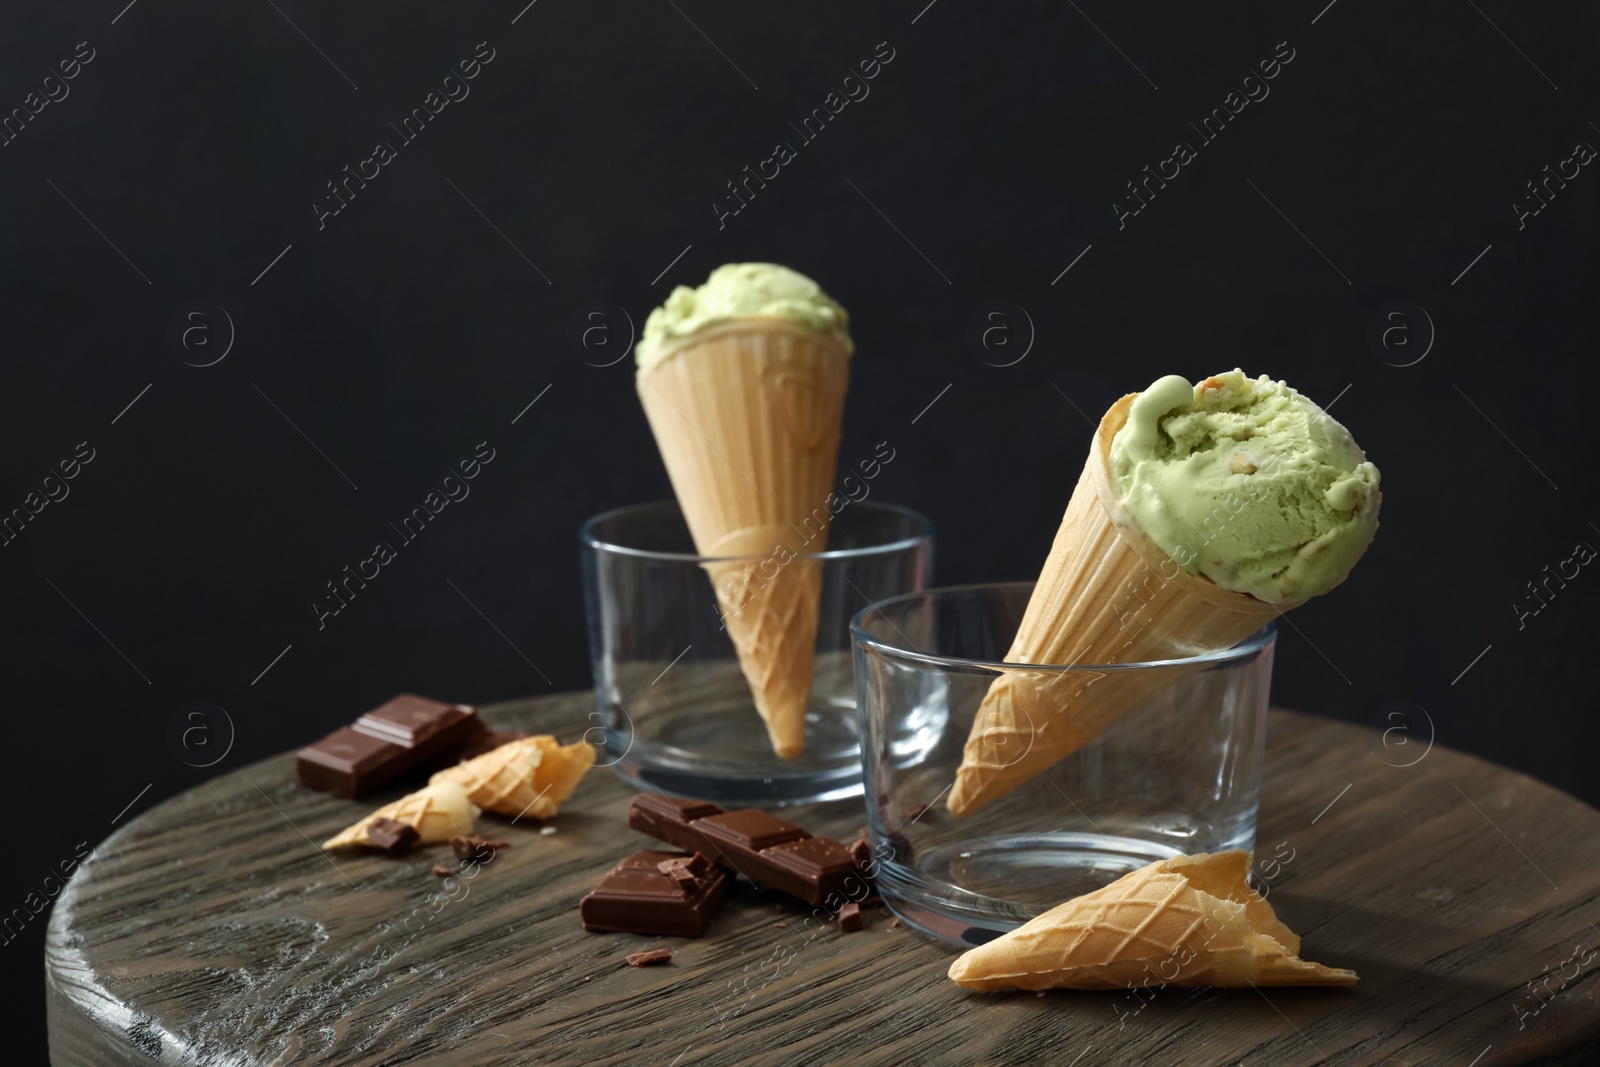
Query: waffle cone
x=747, y=416
x=1106, y=594
x=437, y=813
x=1190, y=920
x=529, y=776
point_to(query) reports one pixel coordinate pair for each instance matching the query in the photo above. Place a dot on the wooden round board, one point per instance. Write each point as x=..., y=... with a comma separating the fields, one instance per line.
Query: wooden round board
x=211, y=930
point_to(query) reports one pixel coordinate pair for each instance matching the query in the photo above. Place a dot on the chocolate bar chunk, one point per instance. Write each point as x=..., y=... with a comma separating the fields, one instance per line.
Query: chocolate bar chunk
x=638, y=897
x=392, y=835
x=650, y=958
x=764, y=848
x=386, y=742
x=850, y=918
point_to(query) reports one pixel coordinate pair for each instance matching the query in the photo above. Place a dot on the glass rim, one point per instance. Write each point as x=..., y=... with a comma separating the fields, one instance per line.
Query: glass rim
x=1250, y=646
x=587, y=535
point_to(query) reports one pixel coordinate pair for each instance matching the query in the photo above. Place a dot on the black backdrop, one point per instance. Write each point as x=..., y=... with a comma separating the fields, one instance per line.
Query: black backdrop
x=179, y=171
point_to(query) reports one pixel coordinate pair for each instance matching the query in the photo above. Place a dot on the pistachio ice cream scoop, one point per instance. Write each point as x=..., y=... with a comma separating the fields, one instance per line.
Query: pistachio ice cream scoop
x=1247, y=482
x=742, y=291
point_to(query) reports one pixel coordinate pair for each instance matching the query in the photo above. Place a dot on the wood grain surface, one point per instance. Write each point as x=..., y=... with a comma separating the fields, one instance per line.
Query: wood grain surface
x=210, y=930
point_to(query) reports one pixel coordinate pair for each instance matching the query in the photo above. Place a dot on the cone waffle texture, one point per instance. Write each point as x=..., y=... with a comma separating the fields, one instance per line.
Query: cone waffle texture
x=437, y=813
x=1190, y=920
x=532, y=776
x=1106, y=595
x=747, y=417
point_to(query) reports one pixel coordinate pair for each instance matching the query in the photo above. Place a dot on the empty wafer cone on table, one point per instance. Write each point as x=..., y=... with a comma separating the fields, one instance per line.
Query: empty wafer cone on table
x=1189, y=921
x=1109, y=593
x=437, y=813
x=746, y=414
x=531, y=776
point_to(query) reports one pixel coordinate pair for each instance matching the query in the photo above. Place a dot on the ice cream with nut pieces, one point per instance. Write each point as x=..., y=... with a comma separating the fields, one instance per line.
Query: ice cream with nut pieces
x=1202, y=512
x=1247, y=482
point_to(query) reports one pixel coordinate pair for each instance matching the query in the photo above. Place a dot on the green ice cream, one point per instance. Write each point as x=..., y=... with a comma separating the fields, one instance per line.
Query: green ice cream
x=1247, y=482
x=741, y=291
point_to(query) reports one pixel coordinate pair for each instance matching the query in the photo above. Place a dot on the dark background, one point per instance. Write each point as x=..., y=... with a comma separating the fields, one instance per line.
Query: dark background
x=415, y=325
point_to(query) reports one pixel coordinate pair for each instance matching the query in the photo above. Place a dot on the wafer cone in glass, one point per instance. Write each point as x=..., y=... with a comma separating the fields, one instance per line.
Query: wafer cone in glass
x=437, y=813
x=1106, y=595
x=531, y=776
x=1189, y=921
x=747, y=415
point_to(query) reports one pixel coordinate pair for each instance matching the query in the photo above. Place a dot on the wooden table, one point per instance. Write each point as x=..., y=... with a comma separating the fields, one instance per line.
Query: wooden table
x=210, y=930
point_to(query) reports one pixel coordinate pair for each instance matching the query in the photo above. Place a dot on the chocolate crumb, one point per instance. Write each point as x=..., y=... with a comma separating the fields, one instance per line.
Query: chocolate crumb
x=678, y=870
x=861, y=852
x=781, y=926
x=650, y=958
x=391, y=835
x=850, y=918
x=895, y=923
x=473, y=847
x=441, y=871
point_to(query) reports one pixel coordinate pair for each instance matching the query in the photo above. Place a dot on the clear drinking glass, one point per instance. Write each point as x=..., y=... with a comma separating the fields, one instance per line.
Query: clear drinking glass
x=1179, y=772
x=674, y=708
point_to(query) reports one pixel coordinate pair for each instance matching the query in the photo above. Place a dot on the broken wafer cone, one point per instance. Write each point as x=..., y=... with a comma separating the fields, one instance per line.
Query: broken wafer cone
x=531, y=776
x=1137, y=570
x=437, y=813
x=1189, y=921
x=743, y=381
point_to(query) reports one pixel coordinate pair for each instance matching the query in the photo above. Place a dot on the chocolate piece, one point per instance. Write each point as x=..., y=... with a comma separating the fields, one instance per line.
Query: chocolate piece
x=650, y=958
x=391, y=834
x=473, y=847
x=685, y=872
x=346, y=763
x=764, y=848
x=441, y=871
x=637, y=896
x=861, y=852
x=386, y=742
x=850, y=919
